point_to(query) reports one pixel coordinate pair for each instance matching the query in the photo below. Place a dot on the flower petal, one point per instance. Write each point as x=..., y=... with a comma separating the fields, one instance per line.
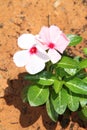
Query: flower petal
x=21, y=58
x=26, y=41
x=35, y=65
x=54, y=55
x=42, y=54
x=40, y=42
x=54, y=33
x=62, y=43
x=44, y=35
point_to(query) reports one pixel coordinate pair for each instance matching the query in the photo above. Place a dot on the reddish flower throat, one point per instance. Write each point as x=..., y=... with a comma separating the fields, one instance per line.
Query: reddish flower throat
x=33, y=50
x=51, y=45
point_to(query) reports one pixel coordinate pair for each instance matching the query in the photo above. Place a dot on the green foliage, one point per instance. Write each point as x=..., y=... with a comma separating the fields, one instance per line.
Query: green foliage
x=67, y=62
x=85, y=51
x=24, y=94
x=37, y=95
x=74, y=39
x=83, y=113
x=83, y=100
x=76, y=85
x=61, y=86
x=57, y=86
x=43, y=78
x=59, y=101
x=50, y=110
x=73, y=101
x=71, y=71
x=83, y=64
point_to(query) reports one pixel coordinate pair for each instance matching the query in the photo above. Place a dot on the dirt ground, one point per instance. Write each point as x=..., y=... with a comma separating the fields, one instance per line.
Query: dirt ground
x=28, y=16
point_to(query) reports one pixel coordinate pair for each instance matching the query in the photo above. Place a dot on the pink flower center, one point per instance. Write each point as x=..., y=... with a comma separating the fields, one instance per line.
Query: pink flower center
x=51, y=45
x=33, y=50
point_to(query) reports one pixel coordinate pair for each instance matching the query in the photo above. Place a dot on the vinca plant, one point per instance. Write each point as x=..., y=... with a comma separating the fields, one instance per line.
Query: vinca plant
x=58, y=80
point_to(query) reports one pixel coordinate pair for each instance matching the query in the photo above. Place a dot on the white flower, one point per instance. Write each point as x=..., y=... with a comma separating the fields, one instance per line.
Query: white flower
x=33, y=57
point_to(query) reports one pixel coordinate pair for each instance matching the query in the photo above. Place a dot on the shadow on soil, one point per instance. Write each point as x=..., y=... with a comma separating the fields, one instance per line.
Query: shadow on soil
x=29, y=115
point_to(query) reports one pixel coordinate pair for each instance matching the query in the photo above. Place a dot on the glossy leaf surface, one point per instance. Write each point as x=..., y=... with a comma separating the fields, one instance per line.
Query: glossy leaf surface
x=37, y=95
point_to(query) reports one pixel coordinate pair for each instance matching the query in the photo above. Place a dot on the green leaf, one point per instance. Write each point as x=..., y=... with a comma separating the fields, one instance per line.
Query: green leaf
x=57, y=85
x=74, y=39
x=71, y=71
x=51, y=112
x=43, y=78
x=85, y=51
x=83, y=113
x=73, y=101
x=83, y=64
x=76, y=85
x=59, y=101
x=83, y=100
x=81, y=74
x=60, y=72
x=77, y=58
x=37, y=95
x=85, y=80
x=67, y=62
x=24, y=94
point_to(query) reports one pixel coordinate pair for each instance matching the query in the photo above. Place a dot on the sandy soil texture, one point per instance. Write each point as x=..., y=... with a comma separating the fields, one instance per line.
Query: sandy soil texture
x=28, y=16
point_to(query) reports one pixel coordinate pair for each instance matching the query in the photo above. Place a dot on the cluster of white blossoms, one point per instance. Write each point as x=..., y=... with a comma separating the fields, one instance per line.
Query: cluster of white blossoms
x=48, y=45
